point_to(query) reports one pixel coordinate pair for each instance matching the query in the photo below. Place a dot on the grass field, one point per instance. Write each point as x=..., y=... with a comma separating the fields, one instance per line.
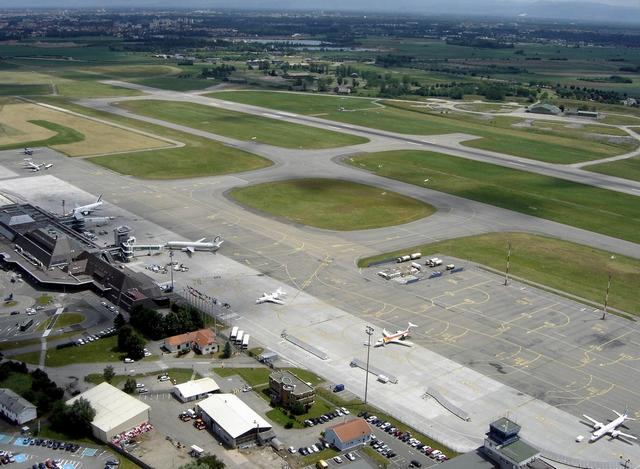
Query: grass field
x=607, y=212
x=62, y=320
x=242, y=126
x=17, y=382
x=24, y=90
x=556, y=145
x=332, y=204
x=198, y=158
x=627, y=169
x=573, y=268
x=103, y=350
x=75, y=136
x=12, y=344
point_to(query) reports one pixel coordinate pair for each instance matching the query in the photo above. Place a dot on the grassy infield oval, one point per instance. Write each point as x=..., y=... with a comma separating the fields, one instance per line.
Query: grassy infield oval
x=332, y=204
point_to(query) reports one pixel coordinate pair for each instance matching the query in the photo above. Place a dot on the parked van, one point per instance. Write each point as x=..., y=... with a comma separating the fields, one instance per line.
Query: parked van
x=383, y=379
x=322, y=464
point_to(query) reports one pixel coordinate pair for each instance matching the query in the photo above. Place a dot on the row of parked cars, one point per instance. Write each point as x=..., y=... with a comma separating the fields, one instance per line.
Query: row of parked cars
x=53, y=444
x=339, y=412
x=403, y=436
x=6, y=457
x=92, y=338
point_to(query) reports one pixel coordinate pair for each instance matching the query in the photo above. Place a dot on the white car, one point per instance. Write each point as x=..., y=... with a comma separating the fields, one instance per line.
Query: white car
x=315, y=448
x=128, y=360
x=344, y=411
x=338, y=459
x=139, y=385
x=291, y=449
x=350, y=456
x=147, y=354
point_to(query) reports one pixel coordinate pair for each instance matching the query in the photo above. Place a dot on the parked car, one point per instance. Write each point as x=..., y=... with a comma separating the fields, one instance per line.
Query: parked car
x=291, y=450
x=126, y=360
x=350, y=456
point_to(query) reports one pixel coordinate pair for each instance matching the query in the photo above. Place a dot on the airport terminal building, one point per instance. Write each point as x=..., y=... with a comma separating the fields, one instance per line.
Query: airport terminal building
x=48, y=251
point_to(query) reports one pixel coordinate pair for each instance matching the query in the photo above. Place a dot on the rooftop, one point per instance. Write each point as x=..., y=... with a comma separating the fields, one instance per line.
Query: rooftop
x=201, y=337
x=15, y=403
x=352, y=429
x=233, y=415
x=472, y=460
x=112, y=406
x=518, y=451
x=288, y=378
x=197, y=387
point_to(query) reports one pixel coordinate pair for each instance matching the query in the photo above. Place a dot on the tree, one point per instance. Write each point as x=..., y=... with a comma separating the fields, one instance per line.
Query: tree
x=108, y=374
x=124, y=334
x=211, y=461
x=74, y=420
x=119, y=321
x=298, y=408
x=227, y=350
x=130, y=385
x=135, y=347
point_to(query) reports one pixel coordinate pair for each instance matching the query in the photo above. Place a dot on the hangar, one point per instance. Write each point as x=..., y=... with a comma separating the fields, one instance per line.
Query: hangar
x=116, y=411
x=233, y=421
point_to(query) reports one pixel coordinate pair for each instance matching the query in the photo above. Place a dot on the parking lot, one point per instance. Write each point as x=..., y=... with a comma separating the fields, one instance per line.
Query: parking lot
x=26, y=454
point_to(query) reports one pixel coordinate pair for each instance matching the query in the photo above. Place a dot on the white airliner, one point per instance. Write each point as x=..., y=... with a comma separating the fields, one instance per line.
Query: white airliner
x=36, y=166
x=397, y=337
x=275, y=297
x=87, y=209
x=602, y=429
x=192, y=246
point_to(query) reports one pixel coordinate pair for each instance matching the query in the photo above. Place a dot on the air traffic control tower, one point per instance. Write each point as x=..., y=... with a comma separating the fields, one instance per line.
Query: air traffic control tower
x=504, y=446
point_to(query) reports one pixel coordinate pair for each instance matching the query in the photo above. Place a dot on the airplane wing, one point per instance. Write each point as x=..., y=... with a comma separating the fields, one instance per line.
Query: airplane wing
x=617, y=433
x=276, y=301
x=385, y=333
x=595, y=423
x=190, y=249
x=406, y=343
x=201, y=240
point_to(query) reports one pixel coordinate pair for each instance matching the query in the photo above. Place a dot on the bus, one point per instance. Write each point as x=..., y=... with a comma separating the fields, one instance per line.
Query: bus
x=238, y=339
x=234, y=333
x=245, y=341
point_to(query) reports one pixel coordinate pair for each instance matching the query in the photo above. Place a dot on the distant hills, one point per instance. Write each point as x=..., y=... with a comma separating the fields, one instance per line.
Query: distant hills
x=619, y=11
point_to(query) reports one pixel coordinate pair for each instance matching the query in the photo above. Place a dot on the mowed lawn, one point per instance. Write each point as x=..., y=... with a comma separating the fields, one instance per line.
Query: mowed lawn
x=627, y=169
x=242, y=126
x=573, y=268
x=332, y=204
x=198, y=158
x=594, y=209
x=99, y=351
x=548, y=143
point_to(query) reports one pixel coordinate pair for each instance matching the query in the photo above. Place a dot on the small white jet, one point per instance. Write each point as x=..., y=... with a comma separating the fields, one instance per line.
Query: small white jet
x=36, y=166
x=601, y=429
x=87, y=209
x=397, y=337
x=275, y=297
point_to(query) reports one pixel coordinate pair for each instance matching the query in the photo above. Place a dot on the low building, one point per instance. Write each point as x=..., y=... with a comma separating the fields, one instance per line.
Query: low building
x=202, y=341
x=505, y=448
x=544, y=108
x=116, y=411
x=348, y=435
x=15, y=408
x=233, y=421
x=195, y=389
x=287, y=390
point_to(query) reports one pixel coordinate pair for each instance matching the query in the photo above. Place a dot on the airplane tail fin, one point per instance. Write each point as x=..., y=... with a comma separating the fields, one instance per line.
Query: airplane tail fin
x=99, y=198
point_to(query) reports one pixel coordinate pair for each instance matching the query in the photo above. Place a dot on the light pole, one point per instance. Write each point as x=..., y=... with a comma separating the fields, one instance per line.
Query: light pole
x=606, y=299
x=369, y=331
x=506, y=272
x=171, y=267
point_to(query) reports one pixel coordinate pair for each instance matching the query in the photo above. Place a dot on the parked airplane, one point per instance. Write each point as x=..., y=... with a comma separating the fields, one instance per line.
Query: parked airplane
x=275, y=297
x=397, y=337
x=36, y=166
x=87, y=209
x=610, y=428
x=28, y=151
x=192, y=246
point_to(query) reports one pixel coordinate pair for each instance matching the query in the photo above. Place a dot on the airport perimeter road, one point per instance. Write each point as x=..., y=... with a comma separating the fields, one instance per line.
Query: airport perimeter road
x=449, y=144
